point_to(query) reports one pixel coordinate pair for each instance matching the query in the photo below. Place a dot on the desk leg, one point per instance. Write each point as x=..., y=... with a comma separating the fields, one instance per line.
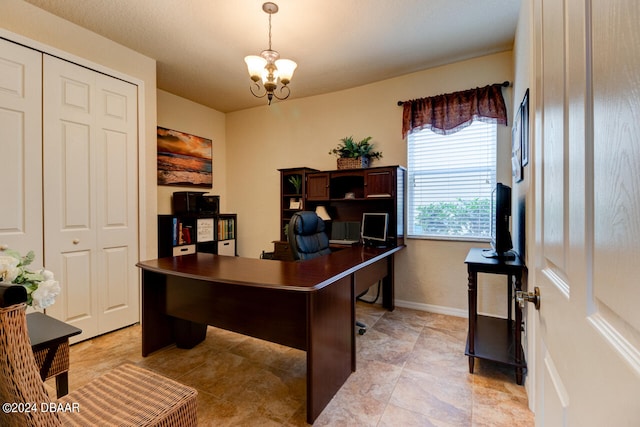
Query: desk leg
x=473, y=301
x=157, y=327
x=188, y=334
x=330, y=331
x=388, y=283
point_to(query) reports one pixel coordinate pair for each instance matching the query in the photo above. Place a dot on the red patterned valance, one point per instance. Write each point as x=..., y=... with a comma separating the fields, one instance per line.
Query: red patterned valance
x=451, y=112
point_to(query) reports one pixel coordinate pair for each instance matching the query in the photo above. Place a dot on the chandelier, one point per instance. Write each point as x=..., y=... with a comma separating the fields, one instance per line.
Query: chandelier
x=269, y=68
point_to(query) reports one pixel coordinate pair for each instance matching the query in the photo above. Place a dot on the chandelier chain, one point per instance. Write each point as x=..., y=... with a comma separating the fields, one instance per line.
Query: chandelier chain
x=270, y=31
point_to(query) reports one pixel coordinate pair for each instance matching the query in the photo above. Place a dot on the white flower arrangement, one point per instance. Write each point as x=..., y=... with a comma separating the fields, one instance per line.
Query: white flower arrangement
x=42, y=288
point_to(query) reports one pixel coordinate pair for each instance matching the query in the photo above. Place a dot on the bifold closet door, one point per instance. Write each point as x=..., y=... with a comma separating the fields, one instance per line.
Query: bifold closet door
x=21, y=149
x=90, y=196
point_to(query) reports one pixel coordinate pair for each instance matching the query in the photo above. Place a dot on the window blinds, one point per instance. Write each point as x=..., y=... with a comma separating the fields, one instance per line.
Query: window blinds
x=451, y=178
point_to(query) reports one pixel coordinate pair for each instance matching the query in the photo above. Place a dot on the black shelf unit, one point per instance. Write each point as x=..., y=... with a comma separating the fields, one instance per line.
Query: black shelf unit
x=184, y=234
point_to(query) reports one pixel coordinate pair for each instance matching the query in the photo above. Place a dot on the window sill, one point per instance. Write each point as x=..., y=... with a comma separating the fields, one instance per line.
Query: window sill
x=450, y=238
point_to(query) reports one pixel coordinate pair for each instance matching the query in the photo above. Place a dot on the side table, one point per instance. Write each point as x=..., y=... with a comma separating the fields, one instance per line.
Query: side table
x=50, y=343
x=492, y=338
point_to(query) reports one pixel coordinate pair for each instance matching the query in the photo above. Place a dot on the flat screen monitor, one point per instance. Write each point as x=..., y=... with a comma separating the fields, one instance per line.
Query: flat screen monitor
x=374, y=228
x=501, y=244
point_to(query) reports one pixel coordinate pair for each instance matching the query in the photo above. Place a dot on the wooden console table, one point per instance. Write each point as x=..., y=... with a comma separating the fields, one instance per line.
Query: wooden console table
x=50, y=343
x=492, y=338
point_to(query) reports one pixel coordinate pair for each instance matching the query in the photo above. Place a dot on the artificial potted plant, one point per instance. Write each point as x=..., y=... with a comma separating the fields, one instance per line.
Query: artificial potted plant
x=296, y=182
x=353, y=155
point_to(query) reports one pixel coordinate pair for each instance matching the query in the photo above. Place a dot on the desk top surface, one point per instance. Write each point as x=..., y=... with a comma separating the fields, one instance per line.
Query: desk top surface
x=44, y=329
x=307, y=275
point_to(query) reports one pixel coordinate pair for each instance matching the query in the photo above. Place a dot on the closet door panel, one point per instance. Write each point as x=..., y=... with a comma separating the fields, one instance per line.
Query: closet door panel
x=91, y=162
x=116, y=124
x=21, y=142
x=76, y=269
x=75, y=186
x=70, y=191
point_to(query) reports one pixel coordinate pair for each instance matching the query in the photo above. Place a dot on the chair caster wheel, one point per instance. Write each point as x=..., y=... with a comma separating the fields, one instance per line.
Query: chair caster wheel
x=361, y=331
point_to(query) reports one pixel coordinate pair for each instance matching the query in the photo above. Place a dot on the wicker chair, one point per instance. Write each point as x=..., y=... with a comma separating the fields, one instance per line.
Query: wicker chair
x=125, y=396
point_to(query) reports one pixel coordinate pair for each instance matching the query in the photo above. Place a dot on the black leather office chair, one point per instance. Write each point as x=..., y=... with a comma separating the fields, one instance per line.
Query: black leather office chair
x=308, y=240
x=307, y=237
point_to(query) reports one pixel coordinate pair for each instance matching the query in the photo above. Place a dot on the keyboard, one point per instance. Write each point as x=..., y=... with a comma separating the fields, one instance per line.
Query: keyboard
x=343, y=242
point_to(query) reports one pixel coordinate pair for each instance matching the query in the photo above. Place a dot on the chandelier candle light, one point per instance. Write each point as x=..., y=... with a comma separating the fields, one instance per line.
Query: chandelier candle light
x=268, y=68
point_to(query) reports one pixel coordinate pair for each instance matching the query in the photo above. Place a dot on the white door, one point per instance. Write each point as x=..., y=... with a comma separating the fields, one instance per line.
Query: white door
x=587, y=212
x=21, y=149
x=90, y=196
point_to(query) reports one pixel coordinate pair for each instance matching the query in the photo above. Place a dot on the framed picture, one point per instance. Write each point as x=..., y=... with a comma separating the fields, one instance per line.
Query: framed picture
x=516, y=148
x=184, y=159
x=524, y=126
x=294, y=203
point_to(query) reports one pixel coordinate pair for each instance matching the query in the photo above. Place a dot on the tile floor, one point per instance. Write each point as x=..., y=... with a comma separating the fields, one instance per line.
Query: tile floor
x=412, y=371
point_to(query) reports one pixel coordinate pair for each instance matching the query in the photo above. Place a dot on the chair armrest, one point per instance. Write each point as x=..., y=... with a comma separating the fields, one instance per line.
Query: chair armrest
x=11, y=294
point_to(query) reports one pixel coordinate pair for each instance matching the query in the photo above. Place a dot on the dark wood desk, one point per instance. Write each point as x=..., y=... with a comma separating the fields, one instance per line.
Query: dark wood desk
x=50, y=343
x=493, y=338
x=306, y=305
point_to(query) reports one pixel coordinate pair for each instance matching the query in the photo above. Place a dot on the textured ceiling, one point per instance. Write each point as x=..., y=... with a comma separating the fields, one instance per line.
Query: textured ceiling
x=199, y=45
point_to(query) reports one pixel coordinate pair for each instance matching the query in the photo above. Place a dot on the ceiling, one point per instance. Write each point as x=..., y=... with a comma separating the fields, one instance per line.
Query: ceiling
x=200, y=45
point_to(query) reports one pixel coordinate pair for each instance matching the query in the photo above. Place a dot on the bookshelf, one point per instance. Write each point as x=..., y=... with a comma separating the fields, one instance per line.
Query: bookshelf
x=190, y=233
x=292, y=198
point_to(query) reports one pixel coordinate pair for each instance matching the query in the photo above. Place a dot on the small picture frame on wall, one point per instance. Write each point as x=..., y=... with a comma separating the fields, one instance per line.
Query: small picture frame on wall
x=516, y=148
x=524, y=126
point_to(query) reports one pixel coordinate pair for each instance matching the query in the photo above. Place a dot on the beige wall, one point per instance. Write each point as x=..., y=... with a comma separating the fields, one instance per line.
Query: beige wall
x=300, y=132
x=183, y=115
x=26, y=24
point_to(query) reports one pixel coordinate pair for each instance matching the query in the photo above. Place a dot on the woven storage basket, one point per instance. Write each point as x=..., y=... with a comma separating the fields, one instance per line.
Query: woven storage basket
x=353, y=162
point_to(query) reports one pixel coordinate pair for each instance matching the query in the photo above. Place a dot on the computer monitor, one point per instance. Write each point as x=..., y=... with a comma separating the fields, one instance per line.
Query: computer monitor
x=374, y=228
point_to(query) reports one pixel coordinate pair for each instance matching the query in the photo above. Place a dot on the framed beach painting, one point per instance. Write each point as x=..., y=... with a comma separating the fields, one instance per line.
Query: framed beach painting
x=184, y=159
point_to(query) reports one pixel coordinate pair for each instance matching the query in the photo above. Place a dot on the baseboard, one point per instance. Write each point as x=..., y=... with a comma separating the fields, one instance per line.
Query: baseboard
x=439, y=309
x=433, y=308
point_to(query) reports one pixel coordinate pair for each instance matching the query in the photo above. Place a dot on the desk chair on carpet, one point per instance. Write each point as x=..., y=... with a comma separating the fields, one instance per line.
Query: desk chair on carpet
x=125, y=396
x=308, y=240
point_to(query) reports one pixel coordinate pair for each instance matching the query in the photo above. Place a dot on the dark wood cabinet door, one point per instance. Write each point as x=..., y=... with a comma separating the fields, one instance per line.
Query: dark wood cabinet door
x=379, y=183
x=318, y=186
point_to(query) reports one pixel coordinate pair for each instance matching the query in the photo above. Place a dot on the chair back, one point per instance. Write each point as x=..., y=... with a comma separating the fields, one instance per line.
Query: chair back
x=11, y=294
x=307, y=237
x=20, y=381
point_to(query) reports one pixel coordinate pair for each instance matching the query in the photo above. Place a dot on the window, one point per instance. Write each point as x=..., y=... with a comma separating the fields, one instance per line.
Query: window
x=450, y=182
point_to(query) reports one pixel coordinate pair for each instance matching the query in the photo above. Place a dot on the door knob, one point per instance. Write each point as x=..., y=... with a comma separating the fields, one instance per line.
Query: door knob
x=534, y=297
